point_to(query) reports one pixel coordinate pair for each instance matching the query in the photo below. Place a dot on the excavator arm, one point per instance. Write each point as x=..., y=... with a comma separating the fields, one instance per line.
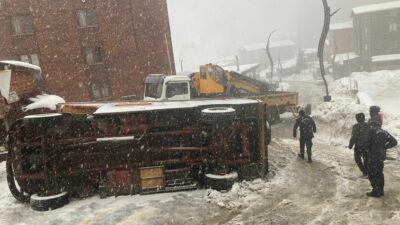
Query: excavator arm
x=213, y=80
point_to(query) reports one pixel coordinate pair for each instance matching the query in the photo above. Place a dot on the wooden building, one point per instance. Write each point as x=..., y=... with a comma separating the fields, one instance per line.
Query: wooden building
x=339, y=51
x=280, y=50
x=89, y=49
x=377, y=35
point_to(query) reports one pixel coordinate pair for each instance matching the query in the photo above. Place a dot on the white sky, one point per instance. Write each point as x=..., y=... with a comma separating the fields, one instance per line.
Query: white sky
x=204, y=30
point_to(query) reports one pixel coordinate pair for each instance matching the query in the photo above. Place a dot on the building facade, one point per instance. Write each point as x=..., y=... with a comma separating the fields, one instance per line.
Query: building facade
x=339, y=49
x=89, y=49
x=377, y=35
x=257, y=53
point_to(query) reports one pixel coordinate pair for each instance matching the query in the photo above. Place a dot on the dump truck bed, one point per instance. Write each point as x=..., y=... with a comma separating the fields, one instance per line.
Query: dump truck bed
x=280, y=98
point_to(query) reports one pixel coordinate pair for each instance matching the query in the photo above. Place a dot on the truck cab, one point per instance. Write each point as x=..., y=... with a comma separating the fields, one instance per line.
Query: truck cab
x=159, y=87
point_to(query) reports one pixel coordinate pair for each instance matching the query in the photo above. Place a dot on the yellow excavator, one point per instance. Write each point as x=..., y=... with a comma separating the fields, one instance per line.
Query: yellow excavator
x=213, y=81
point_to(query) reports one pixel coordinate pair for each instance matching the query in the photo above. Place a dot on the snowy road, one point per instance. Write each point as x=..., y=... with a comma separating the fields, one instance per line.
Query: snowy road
x=328, y=191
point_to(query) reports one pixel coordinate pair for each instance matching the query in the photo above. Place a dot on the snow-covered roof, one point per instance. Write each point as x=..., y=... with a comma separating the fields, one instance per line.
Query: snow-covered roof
x=386, y=58
x=242, y=68
x=127, y=107
x=345, y=56
x=21, y=64
x=341, y=26
x=273, y=44
x=376, y=7
x=310, y=50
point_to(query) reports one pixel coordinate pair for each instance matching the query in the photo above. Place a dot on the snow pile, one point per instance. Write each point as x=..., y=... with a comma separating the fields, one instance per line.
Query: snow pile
x=307, y=77
x=371, y=84
x=283, y=86
x=240, y=196
x=339, y=114
x=44, y=101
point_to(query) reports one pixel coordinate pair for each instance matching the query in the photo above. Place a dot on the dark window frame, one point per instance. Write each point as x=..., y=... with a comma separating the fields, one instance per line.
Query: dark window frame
x=30, y=57
x=102, y=89
x=94, y=55
x=22, y=25
x=86, y=18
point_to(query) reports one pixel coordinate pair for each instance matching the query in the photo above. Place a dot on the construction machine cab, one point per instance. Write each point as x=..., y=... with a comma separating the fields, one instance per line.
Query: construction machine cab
x=159, y=87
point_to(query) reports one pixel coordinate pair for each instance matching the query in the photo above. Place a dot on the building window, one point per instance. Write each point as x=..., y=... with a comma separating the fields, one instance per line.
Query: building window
x=394, y=44
x=2, y=4
x=87, y=18
x=93, y=55
x=100, y=90
x=32, y=59
x=21, y=25
x=392, y=27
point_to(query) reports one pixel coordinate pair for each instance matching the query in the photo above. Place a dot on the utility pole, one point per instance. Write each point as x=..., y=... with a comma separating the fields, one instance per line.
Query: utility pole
x=181, y=62
x=325, y=30
x=271, y=62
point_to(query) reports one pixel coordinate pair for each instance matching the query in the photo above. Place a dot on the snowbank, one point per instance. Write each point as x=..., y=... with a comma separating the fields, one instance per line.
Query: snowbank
x=339, y=114
x=376, y=82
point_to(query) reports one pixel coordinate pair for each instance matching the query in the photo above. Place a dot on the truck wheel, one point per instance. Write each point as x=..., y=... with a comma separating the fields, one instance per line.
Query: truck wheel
x=221, y=182
x=12, y=183
x=218, y=115
x=15, y=189
x=49, y=202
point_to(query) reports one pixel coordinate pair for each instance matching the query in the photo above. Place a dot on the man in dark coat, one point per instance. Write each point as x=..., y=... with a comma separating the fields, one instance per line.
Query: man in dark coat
x=307, y=130
x=359, y=138
x=374, y=114
x=379, y=141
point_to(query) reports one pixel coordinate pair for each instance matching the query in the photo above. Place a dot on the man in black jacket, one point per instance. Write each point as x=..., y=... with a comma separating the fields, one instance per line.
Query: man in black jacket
x=379, y=141
x=307, y=130
x=359, y=138
x=374, y=113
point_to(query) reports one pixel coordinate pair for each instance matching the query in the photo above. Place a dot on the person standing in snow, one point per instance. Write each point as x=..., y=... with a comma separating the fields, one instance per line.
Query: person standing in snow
x=307, y=130
x=379, y=141
x=375, y=114
x=359, y=138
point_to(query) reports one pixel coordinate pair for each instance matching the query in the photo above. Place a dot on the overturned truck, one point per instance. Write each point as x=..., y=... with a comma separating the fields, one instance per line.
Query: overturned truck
x=122, y=148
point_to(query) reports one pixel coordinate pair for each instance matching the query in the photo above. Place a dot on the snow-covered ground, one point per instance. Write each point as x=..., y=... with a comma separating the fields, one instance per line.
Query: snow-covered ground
x=328, y=191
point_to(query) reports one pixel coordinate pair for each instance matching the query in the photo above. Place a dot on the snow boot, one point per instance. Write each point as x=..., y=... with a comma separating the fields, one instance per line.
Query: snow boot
x=301, y=156
x=309, y=158
x=374, y=194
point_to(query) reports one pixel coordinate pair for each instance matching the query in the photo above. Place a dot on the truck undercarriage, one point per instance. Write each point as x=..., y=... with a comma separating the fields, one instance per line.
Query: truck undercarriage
x=135, y=147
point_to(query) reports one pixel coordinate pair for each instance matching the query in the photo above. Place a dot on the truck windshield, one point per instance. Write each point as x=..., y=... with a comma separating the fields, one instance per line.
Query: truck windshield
x=153, y=90
x=176, y=89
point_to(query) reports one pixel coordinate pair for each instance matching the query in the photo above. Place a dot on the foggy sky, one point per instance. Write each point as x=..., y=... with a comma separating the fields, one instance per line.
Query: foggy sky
x=205, y=30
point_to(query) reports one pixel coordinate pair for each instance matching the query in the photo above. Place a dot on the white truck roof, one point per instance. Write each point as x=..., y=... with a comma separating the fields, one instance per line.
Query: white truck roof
x=176, y=78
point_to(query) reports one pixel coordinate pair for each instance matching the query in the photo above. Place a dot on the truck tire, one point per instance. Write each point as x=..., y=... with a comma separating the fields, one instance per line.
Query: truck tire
x=15, y=190
x=18, y=194
x=49, y=202
x=221, y=182
x=218, y=115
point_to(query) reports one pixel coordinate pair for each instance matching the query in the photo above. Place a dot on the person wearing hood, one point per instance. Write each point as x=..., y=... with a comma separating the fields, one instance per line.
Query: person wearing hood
x=307, y=130
x=359, y=139
x=379, y=141
x=375, y=114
